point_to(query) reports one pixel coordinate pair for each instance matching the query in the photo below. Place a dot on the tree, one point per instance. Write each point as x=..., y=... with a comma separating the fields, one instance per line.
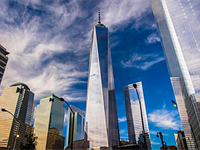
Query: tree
x=30, y=142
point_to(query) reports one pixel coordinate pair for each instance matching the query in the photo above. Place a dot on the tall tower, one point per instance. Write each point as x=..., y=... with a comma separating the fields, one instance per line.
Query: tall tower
x=79, y=121
x=19, y=100
x=134, y=119
x=49, y=122
x=101, y=111
x=3, y=61
x=179, y=28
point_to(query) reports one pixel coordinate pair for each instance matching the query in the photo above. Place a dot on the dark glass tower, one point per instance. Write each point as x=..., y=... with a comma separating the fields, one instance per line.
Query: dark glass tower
x=101, y=111
x=3, y=61
x=78, y=128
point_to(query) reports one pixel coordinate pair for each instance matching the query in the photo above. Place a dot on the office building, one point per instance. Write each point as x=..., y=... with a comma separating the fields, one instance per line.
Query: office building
x=77, y=125
x=179, y=28
x=49, y=122
x=18, y=100
x=101, y=112
x=180, y=140
x=136, y=116
x=171, y=147
x=3, y=61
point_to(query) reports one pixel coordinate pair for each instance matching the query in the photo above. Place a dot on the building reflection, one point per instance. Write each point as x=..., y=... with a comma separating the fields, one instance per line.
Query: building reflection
x=49, y=122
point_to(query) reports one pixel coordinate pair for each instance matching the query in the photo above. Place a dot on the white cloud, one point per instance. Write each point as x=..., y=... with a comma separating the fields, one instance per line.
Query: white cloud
x=123, y=131
x=155, y=143
x=35, y=38
x=32, y=49
x=123, y=119
x=165, y=119
x=142, y=62
x=153, y=38
x=121, y=11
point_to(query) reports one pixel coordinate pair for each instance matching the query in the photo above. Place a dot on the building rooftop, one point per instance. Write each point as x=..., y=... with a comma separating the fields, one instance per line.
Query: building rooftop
x=4, y=50
x=19, y=83
x=51, y=95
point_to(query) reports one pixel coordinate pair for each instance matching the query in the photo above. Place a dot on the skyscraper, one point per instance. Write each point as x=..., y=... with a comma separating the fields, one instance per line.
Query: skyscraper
x=79, y=121
x=134, y=120
x=49, y=122
x=179, y=28
x=101, y=112
x=3, y=61
x=19, y=100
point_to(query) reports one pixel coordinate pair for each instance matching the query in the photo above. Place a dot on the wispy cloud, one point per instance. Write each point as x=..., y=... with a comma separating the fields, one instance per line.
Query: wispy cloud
x=153, y=38
x=122, y=10
x=37, y=50
x=142, y=61
x=165, y=119
x=123, y=131
x=49, y=41
x=123, y=119
x=155, y=143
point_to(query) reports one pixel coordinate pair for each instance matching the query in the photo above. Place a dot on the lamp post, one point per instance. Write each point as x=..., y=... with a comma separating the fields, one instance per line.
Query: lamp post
x=143, y=131
x=161, y=137
x=72, y=121
x=16, y=136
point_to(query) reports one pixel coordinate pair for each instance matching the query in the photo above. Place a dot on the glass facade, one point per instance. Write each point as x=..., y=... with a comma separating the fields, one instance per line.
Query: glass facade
x=134, y=120
x=19, y=100
x=79, y=121
x=3, y=61
x=179, y=28
x=101, y=113
x=49, y=122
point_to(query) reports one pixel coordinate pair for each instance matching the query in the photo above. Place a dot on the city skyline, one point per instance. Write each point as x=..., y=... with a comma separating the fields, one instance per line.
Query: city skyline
x=53, y=40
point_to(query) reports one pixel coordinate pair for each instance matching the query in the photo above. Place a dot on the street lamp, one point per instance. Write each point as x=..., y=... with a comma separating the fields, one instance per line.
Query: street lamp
x=72, y=121
x=17, y=134
x=143, y=132
x=161, y=137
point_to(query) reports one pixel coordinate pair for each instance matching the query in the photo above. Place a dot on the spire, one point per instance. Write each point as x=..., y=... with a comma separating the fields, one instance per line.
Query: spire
x=99, y=22
x=99, y=17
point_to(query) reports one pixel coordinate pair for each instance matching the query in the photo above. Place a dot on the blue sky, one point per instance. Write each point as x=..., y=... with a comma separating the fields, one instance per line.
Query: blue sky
x=49, y=45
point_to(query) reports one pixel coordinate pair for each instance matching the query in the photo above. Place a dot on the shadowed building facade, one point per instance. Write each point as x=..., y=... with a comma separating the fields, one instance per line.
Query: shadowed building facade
x=101, y=125
x=79, y=121
x=3, y=61
x=49, y=122
x=179, y=28
x=133, y=112
x=19, y=100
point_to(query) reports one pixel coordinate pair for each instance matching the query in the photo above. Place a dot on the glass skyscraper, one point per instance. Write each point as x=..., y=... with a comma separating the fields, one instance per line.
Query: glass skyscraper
x=179, y=28
x=101, y=125
x=134, y=119
x=49, y=122
x=19, y=100
x=3, y=61
x=79, y=121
